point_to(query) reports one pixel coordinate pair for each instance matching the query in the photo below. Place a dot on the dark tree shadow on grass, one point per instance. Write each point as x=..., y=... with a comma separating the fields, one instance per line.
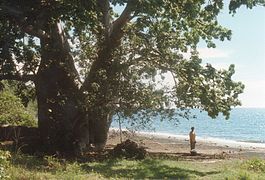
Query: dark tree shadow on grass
x=29, y=162
x=148, y=168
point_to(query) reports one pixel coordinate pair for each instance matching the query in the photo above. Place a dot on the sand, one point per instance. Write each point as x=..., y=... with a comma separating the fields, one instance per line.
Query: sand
x=178, y=146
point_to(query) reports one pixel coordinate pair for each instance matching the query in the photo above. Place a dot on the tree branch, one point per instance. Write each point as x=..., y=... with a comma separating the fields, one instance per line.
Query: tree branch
x=11, y=11
x=35, y=32
x=20, y=19
x=18, y=77
x=114, y=34
x=104, y=8
x=125, y=16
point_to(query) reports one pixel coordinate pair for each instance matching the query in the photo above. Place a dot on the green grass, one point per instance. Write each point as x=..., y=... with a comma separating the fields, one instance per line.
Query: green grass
x=19, y=166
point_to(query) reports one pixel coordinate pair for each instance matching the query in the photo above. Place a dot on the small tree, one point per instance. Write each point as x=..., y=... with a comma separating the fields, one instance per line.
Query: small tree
x=12, y=111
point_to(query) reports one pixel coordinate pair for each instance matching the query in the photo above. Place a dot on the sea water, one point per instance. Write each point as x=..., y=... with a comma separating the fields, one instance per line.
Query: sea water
x=244, y=125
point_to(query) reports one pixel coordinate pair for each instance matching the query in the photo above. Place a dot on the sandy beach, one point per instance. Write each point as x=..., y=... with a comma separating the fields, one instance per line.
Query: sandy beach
x=178, y=146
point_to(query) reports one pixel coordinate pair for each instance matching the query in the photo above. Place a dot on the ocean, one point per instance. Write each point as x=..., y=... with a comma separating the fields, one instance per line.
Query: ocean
x=244, y=125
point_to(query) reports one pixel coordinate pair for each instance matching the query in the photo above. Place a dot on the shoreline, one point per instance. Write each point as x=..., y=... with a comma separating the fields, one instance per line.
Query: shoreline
x=178, y=146
x=210, y=140
x=200, y=140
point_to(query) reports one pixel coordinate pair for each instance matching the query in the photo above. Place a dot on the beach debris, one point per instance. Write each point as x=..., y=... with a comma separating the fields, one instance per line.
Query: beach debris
x=193, y=152
x=129, y=149
x=222, y=155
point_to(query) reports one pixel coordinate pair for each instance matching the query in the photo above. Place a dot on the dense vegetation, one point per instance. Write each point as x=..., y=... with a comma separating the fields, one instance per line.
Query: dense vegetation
x=12, y=109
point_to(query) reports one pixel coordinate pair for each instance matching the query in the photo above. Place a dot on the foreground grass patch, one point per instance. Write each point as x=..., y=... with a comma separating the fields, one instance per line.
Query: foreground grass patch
x=256, y=165
x=30, y=167
x=148, y=168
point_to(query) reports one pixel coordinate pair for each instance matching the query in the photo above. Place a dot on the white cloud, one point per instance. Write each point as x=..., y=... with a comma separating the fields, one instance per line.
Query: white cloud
x=206, y=53
x=210, y=53
x=254, y=94
x=220, y=65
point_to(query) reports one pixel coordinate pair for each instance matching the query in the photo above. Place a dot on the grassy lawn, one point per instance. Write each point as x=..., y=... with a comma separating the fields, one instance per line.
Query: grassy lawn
x=18, y=166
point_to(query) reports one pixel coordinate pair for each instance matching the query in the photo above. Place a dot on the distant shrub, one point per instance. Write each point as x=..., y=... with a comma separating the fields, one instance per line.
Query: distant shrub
x=4, y=164
x=12, y=111
x=256, y=165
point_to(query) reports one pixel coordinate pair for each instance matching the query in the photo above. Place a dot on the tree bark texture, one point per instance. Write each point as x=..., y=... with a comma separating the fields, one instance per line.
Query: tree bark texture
x=56, y=92
x=100, y=87
x=64, y=122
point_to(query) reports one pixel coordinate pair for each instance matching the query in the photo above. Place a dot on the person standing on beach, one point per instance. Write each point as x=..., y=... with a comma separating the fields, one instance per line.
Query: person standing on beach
x=192, y=138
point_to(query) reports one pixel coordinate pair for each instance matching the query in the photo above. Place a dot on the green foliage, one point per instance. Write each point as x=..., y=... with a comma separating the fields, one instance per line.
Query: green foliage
x=235, y=4
x=153, y=47
x=4, y=164
x=12, y=111
x=25, y=92
x=256, y=165
x=53, y=163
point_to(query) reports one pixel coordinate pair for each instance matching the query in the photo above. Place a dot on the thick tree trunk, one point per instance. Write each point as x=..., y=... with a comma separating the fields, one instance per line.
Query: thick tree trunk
x=58, y=110
x=103, y=80
x=59, y=106
x=64, y=123
x=101, y=87
x=99, y=126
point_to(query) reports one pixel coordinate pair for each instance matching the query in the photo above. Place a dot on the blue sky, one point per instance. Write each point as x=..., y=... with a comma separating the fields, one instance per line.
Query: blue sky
x=246, y=50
